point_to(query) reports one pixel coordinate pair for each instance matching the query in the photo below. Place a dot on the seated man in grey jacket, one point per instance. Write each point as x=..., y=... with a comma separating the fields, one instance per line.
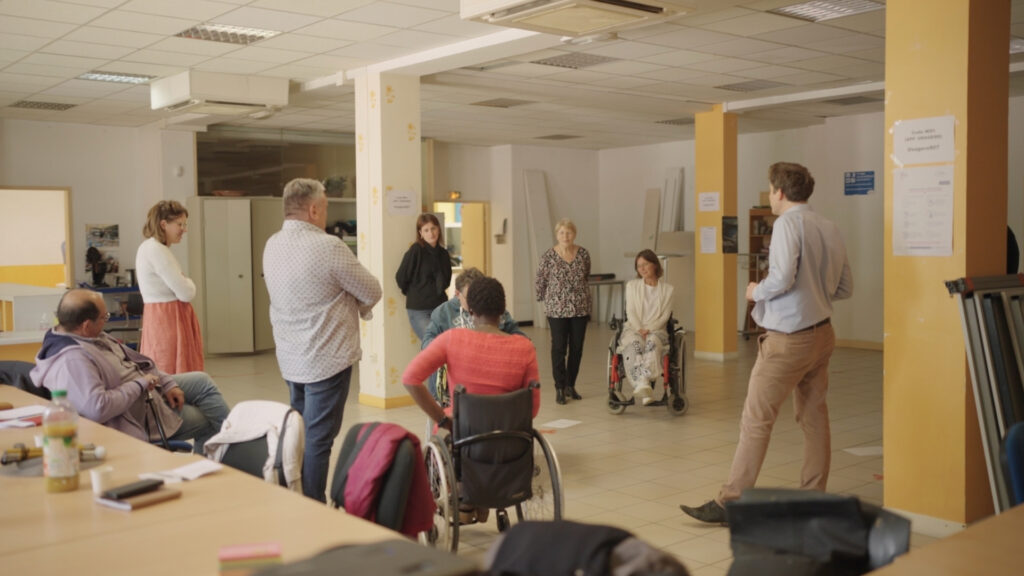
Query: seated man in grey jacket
x=455, y=314
x=107, y=382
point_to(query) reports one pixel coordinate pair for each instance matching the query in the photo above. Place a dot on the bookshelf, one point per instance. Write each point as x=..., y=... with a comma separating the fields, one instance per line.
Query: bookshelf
x=761, y=222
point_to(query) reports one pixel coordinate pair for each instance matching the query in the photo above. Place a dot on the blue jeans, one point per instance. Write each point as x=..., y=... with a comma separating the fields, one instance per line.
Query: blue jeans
x=322, y=405
x=204, y=410
x=420, y=321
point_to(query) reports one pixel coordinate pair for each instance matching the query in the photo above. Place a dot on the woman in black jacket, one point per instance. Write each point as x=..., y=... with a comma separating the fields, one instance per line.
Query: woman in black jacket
x=425, y=273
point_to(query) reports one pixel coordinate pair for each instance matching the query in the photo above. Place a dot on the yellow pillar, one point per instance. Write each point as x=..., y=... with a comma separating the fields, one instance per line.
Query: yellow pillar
x=943, y=58
x=715, y=272
x=389, y=197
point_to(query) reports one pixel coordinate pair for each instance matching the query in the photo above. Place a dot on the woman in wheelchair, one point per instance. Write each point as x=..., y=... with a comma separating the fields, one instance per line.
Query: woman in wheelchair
x=483, y=358
x=644, y=334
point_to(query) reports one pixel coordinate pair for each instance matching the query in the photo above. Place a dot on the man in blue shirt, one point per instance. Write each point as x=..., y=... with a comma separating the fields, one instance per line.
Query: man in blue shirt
x=807, y=270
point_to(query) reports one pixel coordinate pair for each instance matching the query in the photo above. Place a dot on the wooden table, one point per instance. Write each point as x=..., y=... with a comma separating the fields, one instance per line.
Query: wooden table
x=42, y=533
x=992, y=547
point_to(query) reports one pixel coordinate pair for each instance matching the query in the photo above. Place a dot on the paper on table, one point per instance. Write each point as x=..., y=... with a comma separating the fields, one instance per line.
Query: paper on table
x=22, y=412
x=17, y=424
x=186, y=472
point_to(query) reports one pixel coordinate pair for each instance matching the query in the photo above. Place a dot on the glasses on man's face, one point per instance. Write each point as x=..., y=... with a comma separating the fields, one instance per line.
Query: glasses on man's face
x=106, y=317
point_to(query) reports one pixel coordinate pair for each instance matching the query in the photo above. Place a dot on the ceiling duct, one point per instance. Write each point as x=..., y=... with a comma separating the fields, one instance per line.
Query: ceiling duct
x=572, y=17
x=217, y=94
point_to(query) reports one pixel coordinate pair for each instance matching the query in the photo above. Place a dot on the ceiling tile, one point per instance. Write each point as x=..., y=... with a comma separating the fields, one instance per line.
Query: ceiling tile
x=87, y=49
x=265, y=19
x=7, y=56
x=133, y=94
x=767, y=72
x=861, y=71
x=806, y=78
x=97, y=3
x=850, y=43
x=868, y=22
x=678, y=58
x=191, y=9
x=87, y=87
x=65, y=61
x=149, y=56
x=578, y=76
x=628, y=50
x=723, y=65
x=757, y=23
x=10, y=79
x=624, y=82
x=872, y=54
x=20, y=42
x=322, y=8
x=299, y=42
x=785, y=55
x=350, y=31
x=701, y=18
x=267, y=55
x=30, y=27
x=368, y=51
x=335, y=63
x=741, y=47
x=625, y=67
x=688, y=38
x=673, y=74
x=193, y=46
x=826, y=63
x=801, y=34
x=298, y=73
x=47, y=10
x=130, y=21
x=447, y=5
x=234, y=66
x=149, y=69
x=389, y=14
x=112, y=37
x=416, y=39
x=526, y=70
x=714, y=80
x=455, y=26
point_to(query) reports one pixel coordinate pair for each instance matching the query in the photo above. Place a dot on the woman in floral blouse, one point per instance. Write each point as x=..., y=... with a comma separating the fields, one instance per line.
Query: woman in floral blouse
x=562, y=286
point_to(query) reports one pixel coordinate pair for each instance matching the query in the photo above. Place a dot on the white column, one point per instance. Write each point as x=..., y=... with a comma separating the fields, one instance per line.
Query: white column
x=388, y=189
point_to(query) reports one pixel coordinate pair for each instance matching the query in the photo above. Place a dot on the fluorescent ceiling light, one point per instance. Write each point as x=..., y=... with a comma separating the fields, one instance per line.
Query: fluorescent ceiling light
x=101, y=76
x=227, y=33
x=821, y=10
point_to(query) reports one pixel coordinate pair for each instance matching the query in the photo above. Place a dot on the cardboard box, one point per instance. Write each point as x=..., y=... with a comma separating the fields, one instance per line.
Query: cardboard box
x=764, y=201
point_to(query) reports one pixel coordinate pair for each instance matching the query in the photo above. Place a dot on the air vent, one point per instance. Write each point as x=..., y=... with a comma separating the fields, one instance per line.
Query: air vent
x=502, y=103
x=686, y=121
x=750, y=86
x=227, y=34
x=557, y=137
x=822, y=10
x=574, y=60
x=35, y=105
x=855, y=100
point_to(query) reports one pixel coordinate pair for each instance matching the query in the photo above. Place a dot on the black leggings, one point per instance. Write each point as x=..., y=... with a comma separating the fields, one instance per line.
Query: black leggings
x=567, y=332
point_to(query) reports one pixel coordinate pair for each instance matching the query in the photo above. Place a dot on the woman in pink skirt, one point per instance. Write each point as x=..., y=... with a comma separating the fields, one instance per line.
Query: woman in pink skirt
x=170, y=329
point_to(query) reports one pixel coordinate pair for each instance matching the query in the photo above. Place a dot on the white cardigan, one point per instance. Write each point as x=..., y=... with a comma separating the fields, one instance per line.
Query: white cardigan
x=636, y=301
x=254, y=418
x=159, y=274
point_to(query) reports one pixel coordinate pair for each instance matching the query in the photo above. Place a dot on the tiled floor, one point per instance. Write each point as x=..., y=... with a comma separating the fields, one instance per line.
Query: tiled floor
x=634, y=470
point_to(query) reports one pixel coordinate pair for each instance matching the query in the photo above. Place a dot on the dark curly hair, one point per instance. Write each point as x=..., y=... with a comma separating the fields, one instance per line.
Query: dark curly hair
x=486, y=298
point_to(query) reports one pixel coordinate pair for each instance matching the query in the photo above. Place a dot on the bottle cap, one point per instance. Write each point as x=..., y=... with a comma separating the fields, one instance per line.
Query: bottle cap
x=58, y=393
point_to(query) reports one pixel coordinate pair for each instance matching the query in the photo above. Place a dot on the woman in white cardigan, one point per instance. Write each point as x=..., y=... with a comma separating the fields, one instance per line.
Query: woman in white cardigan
x=645, y=333
x=170, y=329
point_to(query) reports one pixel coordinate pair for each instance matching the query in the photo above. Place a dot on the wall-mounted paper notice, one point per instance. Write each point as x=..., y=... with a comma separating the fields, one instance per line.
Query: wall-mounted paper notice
x=922, y=211
x=708, y=202
x=708, y=239
x=402, y=202
x=923, y=141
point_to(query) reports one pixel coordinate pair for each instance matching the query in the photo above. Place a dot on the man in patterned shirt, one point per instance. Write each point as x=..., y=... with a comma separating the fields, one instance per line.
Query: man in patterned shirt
x=318, y=291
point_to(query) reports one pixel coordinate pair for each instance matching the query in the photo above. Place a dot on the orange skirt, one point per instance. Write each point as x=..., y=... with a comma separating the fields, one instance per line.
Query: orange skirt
x=170, y=336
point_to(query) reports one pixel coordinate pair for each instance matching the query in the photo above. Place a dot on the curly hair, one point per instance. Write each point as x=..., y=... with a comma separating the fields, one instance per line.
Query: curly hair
x=468, y=276
x=162, y=211
x=487, y=298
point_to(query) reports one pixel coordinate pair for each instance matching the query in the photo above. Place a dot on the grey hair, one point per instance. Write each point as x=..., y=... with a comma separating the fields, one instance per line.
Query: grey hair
x=299, y=193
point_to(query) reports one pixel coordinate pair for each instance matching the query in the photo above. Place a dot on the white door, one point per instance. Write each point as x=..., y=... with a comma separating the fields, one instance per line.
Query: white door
x=227, y=247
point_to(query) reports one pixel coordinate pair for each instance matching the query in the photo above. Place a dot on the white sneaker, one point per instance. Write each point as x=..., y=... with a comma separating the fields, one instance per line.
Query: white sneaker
x=647, y=399
x=643, y=394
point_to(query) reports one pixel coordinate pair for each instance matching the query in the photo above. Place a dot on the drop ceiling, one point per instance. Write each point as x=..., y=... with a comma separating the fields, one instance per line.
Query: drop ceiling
x=634, y=90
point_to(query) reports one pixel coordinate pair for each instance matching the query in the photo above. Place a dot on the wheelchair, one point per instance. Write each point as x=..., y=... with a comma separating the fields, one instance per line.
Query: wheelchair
x=492, y=459
x=673, y=376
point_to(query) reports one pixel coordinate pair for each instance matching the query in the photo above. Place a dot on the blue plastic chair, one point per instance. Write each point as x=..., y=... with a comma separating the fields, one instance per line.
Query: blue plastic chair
x=1014, y=450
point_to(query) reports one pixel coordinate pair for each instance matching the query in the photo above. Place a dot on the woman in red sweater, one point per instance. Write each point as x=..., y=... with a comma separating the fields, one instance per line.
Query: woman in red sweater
x=483, y=359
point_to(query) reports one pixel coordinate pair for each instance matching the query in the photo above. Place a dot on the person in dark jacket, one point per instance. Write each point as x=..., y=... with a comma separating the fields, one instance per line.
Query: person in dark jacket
x=425, y=273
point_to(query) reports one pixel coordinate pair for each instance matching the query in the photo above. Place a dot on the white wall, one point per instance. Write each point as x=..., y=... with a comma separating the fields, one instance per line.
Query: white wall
x=115, y=174
x=33, y=229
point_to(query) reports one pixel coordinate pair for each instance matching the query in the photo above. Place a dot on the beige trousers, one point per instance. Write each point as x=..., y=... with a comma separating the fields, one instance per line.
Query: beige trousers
x=785, y=363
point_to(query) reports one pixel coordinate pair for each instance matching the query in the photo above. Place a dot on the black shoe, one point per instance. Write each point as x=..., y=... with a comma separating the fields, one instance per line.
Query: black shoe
x=560, y=395
x=710, y=512
x=572, y=393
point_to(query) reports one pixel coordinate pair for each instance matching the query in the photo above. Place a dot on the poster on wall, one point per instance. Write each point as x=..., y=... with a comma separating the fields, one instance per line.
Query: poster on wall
x=708, y=239
x=923, y=140
x=922, y=211
x=101, y=255
x=730, y=235
x=858, y=183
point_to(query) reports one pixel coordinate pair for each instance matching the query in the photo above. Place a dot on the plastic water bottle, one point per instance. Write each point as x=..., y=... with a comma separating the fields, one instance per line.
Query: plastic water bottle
x=60, y=444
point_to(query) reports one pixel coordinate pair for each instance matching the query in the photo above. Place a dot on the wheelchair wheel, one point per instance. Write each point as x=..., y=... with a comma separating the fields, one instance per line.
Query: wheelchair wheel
x=546, y=502
x=444, y=534
x=614, y=379
x=677, y=405
x=615, y=405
